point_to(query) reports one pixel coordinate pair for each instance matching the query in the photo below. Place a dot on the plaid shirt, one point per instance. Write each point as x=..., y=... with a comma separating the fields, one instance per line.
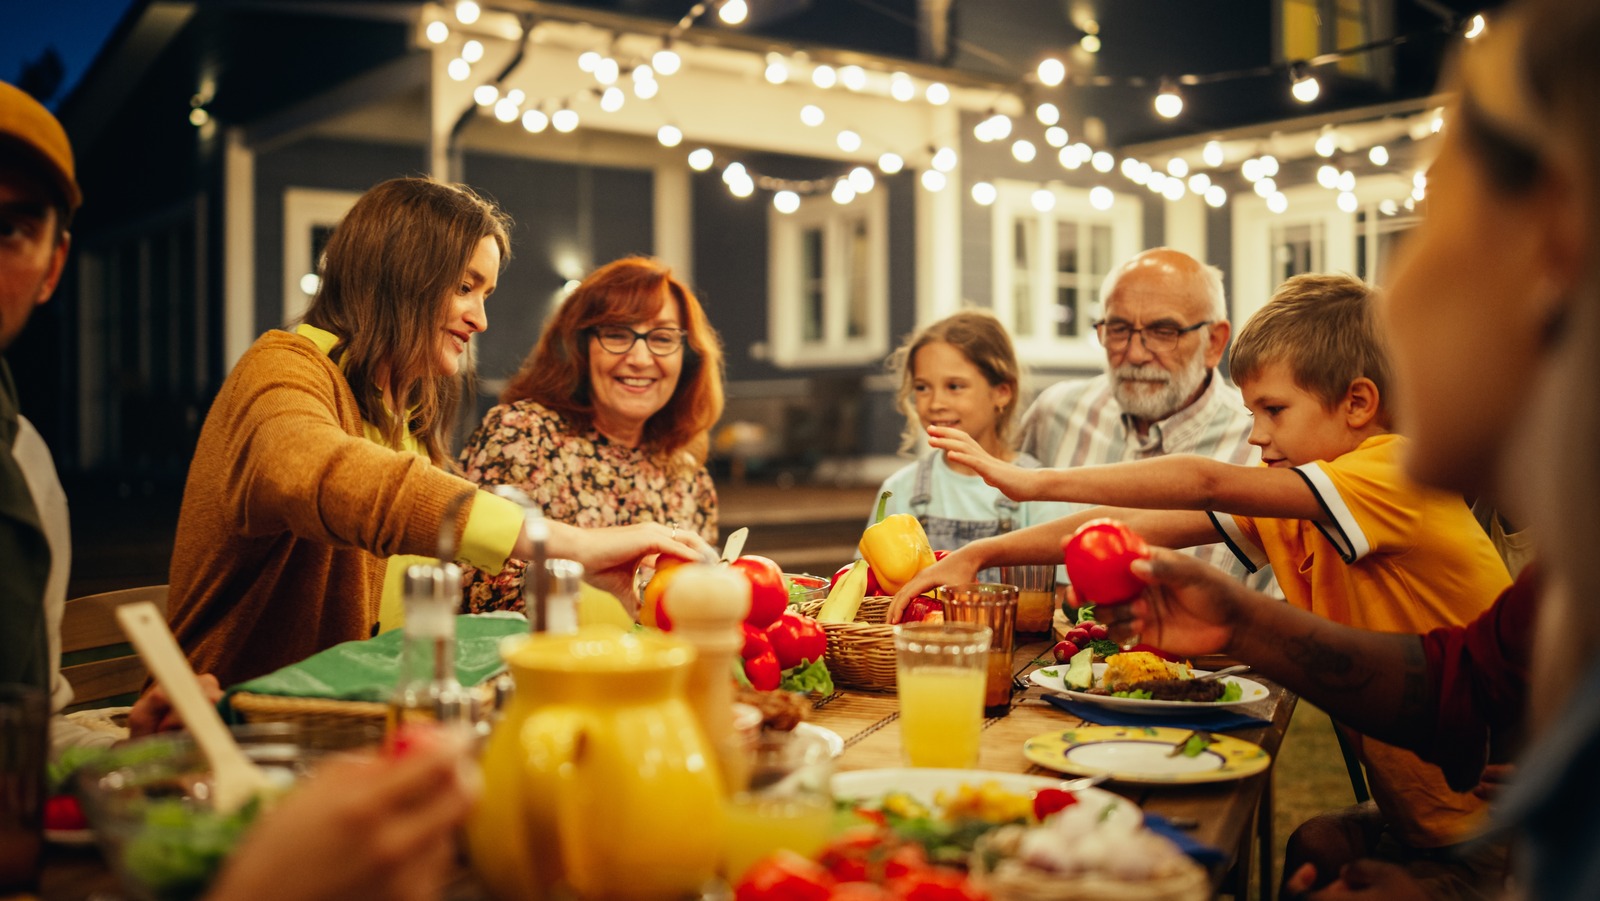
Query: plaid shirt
x=1079, y=423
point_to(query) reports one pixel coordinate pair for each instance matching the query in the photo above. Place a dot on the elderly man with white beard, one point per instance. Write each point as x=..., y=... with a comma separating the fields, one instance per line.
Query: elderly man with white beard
x=1164, y=330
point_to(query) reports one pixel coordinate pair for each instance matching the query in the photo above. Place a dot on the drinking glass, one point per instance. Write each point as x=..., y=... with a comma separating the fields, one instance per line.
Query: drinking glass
x=994, y=605
x=939, y=673
x=1036, y=595
x=781, y=801
x=24, y=737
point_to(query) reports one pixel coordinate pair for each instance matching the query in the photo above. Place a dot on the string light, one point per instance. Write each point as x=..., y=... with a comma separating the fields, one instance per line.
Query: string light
x=1388, y=207
x=1199, y=183
x=588, y=60
x=824, y=77
x=944, y=159
x=1051, y=72
x=612, y=99
x=937, y=93
x=902, y=88
x=1023, y=151
x=933, y=180
x=1069, y=158
x=1269, y=166
x=1047, y=114
x=853, y=77
x=1173, y=190
x=890, y=163
x=666, y=61
x=1347, y=202
x=645, y=88
x=701, y=159
x=438, y=32
x=1347, y=181
x=812, y=115
x=1379, y=155
x=1276, y=202
x=669, y=135
x=467, y=12
x=485, y=94
x=1303, y=85
x=1090, y=43
x=849, y=141
x=733, y=12
x=1266, y=186
x=1101, y=161
x=1476, y=27
x=535, y=121
x=843, y=191
x=1328, y=176
x=564, y=120
x=1044, y=200
x=984, y=194
x=458, y=69
x=1327, y=143
x=1216, y=196
x=472, y=51
x=1251, y=170
x=1168, y=103
x=607, y=71
x=1212, y=154
x=505, y=110
x=1177, y=167
x=786, y=202
x=777, y=72
x=1101, y=198
x=1055, y=136
x=861, y=179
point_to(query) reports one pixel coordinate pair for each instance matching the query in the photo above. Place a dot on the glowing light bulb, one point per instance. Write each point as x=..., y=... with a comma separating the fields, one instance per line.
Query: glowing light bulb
x=1212, y=154
x=1023, y=151
x=700, y=159
x=1002, y=126
x=1155, y=181
x=733, y=12
x=1347, y=202
x=824, y=76
x=786, y=202
x=843, y=191
x=642, y=73
x=198, y=116
x=1276, y=202
x=1327, y=176
x=902, y=88
x=1173, y=190
x=744, y=187
x=1169, y=103
x=1102, y=161
x=467, y=12
x=890, y=163
x=587, y=60
x=1266, y=187
x=1055, y=136
x=485, y=94
x=472, y=51
x=564, y=120
x=944, y=159
x=983, y=193
x=1327, y=144
x=1090, y=43
x=516, y=95
x=1388, y=207
x=1101, y=198
x=535, y=121
x=1379, y=155
x=606, y=71
x=438, y=32
x=1051, y=71
x=933, y=180
x=937, y=93
x=812, y=115
x=1199, y=183
x=733, y=172
x=1069, y=158
x=1130, y=167
x=1177, y=167
x=1044, y=200
x=1305, y=86
x=1347, y=181
x=666, y=61
x=1269, y=166
x=777, y=73
x=612, y=99
x=309, y=283
x=1047, y=113
x=1251, y=170
x=645, y=88
x=849, y=141
x=861, y=179
x=669, y=135
x=505, y=110
x=458, y=69
x=853, y=77
x=1476, y=27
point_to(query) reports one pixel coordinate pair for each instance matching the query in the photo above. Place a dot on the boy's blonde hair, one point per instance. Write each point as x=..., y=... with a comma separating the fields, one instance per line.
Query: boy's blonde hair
x=984, y=342
x=1325, y=328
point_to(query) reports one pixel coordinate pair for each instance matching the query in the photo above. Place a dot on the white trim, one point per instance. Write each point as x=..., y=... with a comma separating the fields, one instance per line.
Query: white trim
x=1344, y=530
x=1013, y=203
x=785, y=306
x=238, y=248
x=938, y=237
x=304, y=208
x=1184, y=225
x=1248, y=552
x=673, y=220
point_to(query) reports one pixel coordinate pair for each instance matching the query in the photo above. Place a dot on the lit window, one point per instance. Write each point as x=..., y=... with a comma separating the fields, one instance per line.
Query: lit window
x=828, y=298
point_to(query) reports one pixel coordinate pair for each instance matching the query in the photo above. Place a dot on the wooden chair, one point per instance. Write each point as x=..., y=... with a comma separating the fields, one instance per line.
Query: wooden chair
x=96, y=657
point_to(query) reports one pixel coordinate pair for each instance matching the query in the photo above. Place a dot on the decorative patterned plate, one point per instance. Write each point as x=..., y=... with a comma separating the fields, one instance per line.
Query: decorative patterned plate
x=1144, y=754
x=1052, y=679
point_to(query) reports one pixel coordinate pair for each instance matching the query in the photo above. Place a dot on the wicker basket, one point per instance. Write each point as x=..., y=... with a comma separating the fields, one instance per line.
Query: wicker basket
x=860, y=654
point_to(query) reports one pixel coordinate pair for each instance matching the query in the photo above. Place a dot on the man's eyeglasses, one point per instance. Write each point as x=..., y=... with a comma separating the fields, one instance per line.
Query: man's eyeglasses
x=663, y=342
x=1156, y=338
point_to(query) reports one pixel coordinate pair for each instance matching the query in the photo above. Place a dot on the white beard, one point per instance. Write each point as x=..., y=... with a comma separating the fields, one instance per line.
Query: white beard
x=1151, y=393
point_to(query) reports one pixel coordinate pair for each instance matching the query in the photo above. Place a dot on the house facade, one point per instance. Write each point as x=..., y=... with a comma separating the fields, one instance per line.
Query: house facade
x=823, y=198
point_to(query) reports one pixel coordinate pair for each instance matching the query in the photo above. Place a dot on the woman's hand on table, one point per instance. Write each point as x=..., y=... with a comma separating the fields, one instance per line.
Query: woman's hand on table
x=153, y=712
x=360, y=827
x=611, y=556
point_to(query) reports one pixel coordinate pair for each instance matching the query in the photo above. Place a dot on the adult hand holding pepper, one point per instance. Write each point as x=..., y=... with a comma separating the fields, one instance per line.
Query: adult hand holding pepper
x=895, y=546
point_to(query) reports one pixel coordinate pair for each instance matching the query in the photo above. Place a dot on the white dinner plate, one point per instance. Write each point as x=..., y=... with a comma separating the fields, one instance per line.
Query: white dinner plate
x=1053, y=679
x=923, y=783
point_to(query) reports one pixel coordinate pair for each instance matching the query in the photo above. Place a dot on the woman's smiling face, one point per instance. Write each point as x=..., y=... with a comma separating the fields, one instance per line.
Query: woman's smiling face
x=630, y=387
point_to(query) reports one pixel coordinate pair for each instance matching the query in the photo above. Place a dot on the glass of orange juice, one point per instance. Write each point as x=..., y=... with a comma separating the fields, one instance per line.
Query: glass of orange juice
x=783, y=802
x=940, y=670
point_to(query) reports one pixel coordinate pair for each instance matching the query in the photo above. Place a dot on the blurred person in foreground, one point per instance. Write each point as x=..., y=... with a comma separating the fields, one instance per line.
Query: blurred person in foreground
x=38, y=196
x=1494, y=321
x=605, y=423
x=325, y=452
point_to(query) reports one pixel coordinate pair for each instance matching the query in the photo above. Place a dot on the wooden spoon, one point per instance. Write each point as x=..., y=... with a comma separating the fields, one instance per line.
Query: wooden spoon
x=734, y=545
x=235, y=779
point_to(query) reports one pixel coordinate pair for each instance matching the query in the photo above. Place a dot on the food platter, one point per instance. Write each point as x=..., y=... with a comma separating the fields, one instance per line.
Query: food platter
x=1051, y=678
x=1145, y=754
x=923, y=784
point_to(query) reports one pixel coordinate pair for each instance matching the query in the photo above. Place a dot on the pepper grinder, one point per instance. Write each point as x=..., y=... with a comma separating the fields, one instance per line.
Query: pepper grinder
x=708, y=604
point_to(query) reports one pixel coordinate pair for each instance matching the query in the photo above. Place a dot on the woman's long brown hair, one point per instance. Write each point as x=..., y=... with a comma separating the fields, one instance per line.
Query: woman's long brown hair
x=633, y=289
x=387, y=277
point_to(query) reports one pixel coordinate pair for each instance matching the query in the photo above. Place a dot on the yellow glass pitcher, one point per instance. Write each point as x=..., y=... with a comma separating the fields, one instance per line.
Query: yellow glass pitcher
x=598, y=782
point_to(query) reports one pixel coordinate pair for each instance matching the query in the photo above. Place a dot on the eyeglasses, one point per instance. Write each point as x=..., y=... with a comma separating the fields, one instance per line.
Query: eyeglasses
x=663, y=342
x=1156, y=338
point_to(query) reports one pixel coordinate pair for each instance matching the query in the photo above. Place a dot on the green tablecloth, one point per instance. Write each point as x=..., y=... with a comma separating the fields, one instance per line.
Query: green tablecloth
x=368, y=670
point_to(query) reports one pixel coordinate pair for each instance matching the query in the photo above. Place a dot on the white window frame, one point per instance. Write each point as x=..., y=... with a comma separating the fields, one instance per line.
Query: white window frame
x=1308, y=205
x=303, y=210
x=1013, y=201
x=785, y=304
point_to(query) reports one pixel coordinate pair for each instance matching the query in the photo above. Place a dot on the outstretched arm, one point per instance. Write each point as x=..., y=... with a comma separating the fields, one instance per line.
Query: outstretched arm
x=1374, y=682
x=1173, y=482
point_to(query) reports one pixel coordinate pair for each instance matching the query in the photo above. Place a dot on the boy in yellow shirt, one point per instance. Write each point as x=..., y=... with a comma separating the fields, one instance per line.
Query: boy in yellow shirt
x=1348, y=535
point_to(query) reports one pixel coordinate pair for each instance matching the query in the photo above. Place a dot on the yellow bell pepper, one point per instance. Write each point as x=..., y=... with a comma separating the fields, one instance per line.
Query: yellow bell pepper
x=895, y=547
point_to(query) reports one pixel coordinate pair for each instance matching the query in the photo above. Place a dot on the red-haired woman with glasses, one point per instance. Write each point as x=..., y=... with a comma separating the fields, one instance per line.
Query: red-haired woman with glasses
x=606, y=421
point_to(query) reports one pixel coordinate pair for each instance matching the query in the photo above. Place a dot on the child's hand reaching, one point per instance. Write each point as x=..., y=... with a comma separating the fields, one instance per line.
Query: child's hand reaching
x=1013, y=481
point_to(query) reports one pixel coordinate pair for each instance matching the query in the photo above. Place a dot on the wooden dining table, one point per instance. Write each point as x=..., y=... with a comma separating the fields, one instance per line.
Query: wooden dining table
x=1233, y=816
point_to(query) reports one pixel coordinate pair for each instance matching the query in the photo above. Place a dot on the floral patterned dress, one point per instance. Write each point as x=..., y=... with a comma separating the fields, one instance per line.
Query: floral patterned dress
x=578, y=477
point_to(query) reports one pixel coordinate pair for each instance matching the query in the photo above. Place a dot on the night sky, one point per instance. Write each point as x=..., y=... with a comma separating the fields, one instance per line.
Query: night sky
x=76, y=28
